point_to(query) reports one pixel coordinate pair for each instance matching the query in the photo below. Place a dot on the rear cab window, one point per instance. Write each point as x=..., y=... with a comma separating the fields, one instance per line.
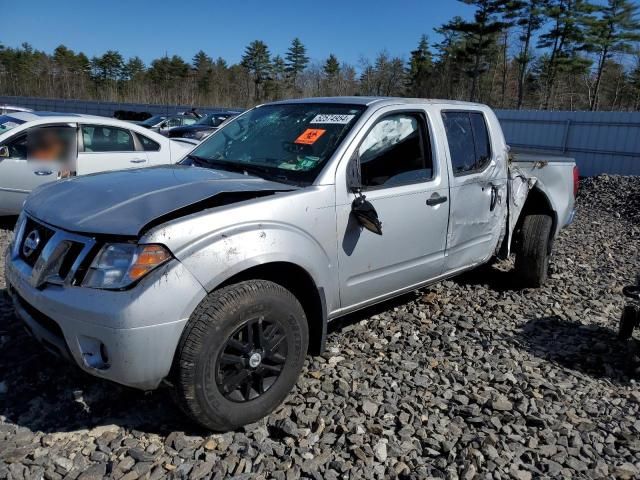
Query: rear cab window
x=469, y=143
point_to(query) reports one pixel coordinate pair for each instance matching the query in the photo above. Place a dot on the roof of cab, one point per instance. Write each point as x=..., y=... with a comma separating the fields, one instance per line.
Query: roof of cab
x=368, y=101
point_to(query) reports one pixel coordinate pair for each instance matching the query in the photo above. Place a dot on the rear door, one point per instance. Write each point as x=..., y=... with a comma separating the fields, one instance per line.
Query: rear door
x=104, y=148
x=478, y=188
x=157, y=152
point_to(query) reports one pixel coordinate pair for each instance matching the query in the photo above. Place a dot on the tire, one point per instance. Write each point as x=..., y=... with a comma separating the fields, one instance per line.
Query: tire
x=532, y=255
x=253, y=335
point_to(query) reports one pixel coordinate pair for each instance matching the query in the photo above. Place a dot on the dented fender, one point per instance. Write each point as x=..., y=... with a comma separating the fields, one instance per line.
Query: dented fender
x=221, y=243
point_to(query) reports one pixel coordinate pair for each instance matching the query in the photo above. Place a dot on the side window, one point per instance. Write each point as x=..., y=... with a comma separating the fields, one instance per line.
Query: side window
x=52, y=143
x=396, y=151
x=98, y=138
x=468, y=141
x=481, y=140
x=147, y=144
x=173, y=122
x=189, y=120
x=18, y=147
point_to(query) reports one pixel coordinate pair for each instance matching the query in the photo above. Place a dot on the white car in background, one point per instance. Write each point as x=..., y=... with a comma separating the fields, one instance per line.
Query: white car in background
x=40, y=147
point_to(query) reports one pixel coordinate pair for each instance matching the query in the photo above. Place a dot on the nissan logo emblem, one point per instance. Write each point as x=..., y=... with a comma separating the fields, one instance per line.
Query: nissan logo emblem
x=31, y=243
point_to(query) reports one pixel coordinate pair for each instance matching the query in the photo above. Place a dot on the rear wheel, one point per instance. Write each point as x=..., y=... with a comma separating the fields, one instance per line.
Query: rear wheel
x=534, y=250
x=240, y=354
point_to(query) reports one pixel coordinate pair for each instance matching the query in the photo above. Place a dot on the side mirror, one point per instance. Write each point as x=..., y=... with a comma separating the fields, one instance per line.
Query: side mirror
x=4, y=152
x=366, y=214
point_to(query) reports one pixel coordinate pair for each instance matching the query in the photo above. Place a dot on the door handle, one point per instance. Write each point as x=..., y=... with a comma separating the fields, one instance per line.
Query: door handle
x=436, y=199
x=42, y=173
x=138, y=160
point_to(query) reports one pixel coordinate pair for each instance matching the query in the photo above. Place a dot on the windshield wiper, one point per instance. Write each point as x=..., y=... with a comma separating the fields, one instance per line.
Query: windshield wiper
x=239, y=167
x=201, y=161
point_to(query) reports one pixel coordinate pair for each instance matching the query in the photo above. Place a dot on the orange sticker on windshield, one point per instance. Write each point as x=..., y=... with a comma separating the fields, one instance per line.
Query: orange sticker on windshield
x=309, y=136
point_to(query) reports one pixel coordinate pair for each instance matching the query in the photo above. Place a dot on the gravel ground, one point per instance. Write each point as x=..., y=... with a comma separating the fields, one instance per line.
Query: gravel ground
x=469, y=378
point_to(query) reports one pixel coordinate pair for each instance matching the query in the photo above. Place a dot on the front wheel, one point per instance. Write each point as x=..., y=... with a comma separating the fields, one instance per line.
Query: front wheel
x=240, y=355
x=534, y=249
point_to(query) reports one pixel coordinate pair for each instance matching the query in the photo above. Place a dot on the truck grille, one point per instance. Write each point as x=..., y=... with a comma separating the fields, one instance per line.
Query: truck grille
x=55, y=256
x=43, y=233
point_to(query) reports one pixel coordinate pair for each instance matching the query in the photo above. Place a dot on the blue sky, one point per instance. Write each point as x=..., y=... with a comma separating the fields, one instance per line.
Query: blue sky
x=348, y=28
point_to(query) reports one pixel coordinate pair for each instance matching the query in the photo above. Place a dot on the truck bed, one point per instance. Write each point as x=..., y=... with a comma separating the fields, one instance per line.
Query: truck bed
x=554, y=176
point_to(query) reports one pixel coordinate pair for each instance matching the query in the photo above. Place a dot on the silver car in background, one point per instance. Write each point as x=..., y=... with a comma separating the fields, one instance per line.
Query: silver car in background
x=40, y=147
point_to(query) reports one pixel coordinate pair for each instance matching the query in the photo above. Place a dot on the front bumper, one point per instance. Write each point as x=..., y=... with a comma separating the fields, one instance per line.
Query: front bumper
x=128, y=337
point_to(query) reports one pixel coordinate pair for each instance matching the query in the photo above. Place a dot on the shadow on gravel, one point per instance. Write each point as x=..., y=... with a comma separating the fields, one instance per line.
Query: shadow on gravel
x=343, y=323
x=491, y=277
x=590, y=349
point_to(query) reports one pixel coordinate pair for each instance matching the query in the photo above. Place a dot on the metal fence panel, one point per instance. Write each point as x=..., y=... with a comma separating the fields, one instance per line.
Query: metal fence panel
x=601, y=142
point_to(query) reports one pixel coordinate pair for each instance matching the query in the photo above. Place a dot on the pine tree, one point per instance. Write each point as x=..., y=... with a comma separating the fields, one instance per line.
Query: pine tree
x=133, y=68
x=257, y=60
x=452, y=61
x=331, y=67
x=528, y=16
x=203, y=66
x=562, y=41
x=420, y=70
x=479, y=36
x=612, y=30
x=278, y=77
x=296, y=60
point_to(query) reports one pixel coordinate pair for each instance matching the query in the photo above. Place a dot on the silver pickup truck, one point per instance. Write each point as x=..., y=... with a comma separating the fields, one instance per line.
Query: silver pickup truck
x=217, y=275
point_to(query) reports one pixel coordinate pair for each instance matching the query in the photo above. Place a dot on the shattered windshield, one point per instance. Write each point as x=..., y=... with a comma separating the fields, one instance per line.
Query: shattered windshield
x=286, y=142
x=7, y=123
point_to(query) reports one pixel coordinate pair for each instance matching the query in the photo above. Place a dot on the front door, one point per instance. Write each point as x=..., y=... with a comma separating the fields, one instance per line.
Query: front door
x=401, y=178
x=36, y=157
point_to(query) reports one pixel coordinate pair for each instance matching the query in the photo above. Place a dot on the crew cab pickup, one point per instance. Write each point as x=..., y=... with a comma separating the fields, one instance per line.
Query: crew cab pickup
x=217, y=275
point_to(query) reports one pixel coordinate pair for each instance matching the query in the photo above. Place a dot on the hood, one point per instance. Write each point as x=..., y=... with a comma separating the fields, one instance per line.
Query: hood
x=127, y=201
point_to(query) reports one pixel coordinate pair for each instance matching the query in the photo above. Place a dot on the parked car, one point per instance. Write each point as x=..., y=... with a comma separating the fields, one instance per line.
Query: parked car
x=218, y=274
x=4, y=109
x=162, y=124
x=36, y=146
x=204, y=127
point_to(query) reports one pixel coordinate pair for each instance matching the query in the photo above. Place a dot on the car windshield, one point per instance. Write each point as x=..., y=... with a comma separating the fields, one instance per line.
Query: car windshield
x=285, y=142
x=153, y=120
x=7, y=123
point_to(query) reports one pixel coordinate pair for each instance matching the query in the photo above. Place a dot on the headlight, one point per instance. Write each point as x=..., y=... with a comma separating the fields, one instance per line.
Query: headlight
x=118, y=265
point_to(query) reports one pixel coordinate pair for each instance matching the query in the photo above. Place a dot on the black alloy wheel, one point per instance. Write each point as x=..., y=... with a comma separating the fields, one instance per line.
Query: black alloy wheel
x=251, y=360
